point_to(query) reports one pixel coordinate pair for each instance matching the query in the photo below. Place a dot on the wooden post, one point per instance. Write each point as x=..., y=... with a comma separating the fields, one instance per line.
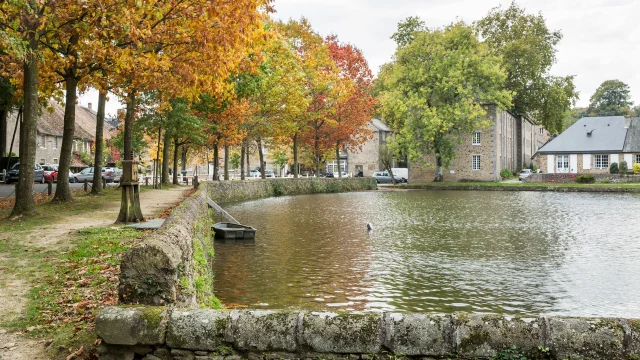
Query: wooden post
x=146, y=181
x=104, y=183
x=86, y=185
x=50, y=187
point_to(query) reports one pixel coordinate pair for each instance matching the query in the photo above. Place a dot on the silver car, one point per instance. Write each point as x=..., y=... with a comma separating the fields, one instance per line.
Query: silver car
x=383, y=177
x=524, y=173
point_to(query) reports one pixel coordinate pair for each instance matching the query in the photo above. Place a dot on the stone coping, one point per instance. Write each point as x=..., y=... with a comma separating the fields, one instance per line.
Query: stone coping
x=308, y=334
x=533, y=187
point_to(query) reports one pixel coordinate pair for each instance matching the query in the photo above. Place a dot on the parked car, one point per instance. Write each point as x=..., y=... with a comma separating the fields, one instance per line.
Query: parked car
x=383, y=177
x=255, y=173
x=344, y=174
x=108, y=175
x=13, y=174
x=524, y=173
x=269, y=174
x=327, y=175
x=50, y=173
x=118, y=175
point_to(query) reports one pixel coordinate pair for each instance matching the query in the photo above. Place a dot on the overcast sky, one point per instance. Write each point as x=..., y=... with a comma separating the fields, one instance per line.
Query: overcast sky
x=601, y=39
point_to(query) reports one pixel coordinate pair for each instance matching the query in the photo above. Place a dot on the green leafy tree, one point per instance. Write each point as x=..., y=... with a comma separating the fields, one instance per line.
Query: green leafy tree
x=612, y=98
x=435, y=91
x=528, y=50
x=574, y=115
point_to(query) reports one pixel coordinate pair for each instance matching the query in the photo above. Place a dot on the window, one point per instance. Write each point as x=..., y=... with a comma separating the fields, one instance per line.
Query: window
x=638, y=158
x=541, y=131
x=602, y=161
x=476, y=138
x=42, y=161
x=563, y=163
x=55, y=161
x=475, y=162
x=55, y=142
x=41, y=141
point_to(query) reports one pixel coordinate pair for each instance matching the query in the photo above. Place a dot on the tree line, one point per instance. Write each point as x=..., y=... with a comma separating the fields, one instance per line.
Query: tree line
x=194, y=75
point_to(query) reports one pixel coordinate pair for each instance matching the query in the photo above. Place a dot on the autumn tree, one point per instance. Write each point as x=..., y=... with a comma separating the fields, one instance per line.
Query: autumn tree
x=353, y=113
x=527, y=48
x=435, y=90
x=612, y=98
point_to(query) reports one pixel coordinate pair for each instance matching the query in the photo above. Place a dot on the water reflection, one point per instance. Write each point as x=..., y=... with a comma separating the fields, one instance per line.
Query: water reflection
x=522, y=253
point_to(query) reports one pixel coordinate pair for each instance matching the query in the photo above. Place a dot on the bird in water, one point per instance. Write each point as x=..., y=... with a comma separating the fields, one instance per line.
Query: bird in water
x=369, y=227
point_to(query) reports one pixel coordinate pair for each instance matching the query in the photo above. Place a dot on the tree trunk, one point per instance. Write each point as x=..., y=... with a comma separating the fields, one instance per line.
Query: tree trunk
x=62, y=188
x=248, y=164
x=3, y=132
x=97, y=173
x=296, y=168
x=226, y=162
x=216, y=159
x=338, y=159
x=393, y=179
x=25, y=204
x=166, y=146
x=185, y=148
x=175, y=161
x=157, y=162
x=242, y=151
x=130, y=210
x=262, y=174
x=439, y=175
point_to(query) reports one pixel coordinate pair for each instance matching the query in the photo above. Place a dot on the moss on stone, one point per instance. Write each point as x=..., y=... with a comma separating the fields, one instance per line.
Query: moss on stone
x=476, y=338
x=153, y=315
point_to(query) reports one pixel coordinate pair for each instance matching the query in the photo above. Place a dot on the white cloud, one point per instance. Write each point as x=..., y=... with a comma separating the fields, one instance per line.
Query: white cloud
x=600, y=36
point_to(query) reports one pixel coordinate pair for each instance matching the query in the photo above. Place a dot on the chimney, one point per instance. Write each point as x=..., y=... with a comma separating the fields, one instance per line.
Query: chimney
x=89, y=106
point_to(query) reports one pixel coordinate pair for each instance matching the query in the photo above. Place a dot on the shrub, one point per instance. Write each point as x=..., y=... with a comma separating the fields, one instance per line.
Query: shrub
x=636, y=168
x=505, y=174
x=623, y=167
x=605, y=181
x=613, y=169
x=585, y=179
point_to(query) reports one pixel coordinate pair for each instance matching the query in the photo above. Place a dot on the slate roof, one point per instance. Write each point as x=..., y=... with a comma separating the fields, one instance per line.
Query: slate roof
x=632, y=142
x=380, y=125
x=608, y=134
x=51, y=122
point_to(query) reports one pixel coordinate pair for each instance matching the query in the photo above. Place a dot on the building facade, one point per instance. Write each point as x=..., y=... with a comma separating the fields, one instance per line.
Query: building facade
x=508, y=143
x=50, y=127
x=591, y=145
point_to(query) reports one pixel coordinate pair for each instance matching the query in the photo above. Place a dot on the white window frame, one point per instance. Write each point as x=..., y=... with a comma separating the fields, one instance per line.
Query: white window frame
x=42, y=141
x=332, y=166
x=562, y=163
x=637, y=158
x=55, y=161
x=599, y=163
x=541, y=131
x=54, y=142
x=476, y=162
x=475, y=139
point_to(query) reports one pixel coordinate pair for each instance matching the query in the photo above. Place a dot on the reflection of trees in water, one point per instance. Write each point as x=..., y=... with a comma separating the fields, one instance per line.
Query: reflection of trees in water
x=441, y=251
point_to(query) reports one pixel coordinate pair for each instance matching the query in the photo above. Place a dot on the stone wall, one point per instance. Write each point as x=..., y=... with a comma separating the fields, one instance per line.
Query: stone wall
x=570, y=178
x=232, y=191
x=161, y=333
x=166, y=267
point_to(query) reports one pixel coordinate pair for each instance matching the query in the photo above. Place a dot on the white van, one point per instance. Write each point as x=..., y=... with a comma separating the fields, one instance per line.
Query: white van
x=402, y=173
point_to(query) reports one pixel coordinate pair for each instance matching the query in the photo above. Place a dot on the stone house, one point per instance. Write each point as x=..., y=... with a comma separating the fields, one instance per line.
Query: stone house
x=50, y=127
x=367, y=158
x=509, y=143
x=591, y=145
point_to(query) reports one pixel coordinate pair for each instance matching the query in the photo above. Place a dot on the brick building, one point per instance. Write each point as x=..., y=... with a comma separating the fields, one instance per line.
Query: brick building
x=509, y=143
x=50, y=128
x=591, y=145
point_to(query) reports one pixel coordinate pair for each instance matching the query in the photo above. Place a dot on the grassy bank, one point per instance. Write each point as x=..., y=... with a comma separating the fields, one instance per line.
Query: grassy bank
x=622, y=187
x=69, y=288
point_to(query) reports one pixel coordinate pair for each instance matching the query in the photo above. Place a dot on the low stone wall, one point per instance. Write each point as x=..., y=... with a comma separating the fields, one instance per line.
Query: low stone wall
x=517, y=187
x=161, y=333
x=231, y=191
x=571, y=178
x=173, y=264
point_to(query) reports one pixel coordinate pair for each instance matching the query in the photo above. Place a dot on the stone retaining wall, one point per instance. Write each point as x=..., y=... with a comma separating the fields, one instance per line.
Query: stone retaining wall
x=571, y=178
x=231, y=191
x=161, y=333
x=164, y=269
x=532, y=187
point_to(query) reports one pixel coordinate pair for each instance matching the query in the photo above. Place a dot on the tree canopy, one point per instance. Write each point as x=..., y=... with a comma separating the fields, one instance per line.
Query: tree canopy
x=527, y=48
x=436, y=88
x=612, y=98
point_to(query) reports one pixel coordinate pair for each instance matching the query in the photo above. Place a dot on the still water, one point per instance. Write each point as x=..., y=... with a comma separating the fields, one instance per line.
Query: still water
x=525, y=253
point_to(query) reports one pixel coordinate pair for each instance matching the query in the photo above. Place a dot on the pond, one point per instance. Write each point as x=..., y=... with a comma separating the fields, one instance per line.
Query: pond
x=521, y=253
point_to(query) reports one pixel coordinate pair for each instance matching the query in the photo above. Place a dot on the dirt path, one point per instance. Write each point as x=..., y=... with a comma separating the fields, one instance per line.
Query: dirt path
x=14, y=288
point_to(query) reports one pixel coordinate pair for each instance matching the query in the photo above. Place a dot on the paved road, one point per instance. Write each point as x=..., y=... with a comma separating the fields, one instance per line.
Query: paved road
x=9, y=190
